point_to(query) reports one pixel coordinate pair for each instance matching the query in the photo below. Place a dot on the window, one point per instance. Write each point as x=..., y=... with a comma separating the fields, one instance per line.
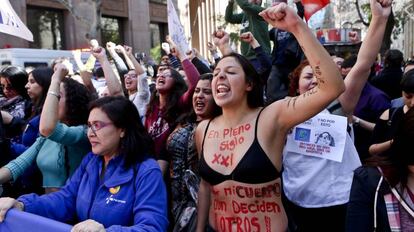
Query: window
x=112, y=30
x=47, y=28
x=158, y=33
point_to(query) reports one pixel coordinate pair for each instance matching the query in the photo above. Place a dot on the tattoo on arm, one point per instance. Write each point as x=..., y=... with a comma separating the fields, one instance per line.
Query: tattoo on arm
x=293, y=100
x=310, y=92
x=318, y=74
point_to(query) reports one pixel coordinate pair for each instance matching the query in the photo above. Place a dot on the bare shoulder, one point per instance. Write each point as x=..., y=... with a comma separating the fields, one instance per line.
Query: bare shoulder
x=199, y=133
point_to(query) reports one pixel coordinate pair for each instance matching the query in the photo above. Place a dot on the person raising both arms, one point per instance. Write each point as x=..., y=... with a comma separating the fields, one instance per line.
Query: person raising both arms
x=241, y=150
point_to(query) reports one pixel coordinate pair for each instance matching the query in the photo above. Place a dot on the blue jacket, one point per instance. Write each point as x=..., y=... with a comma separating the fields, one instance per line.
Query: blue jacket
x=132, y=199
x=28, y=137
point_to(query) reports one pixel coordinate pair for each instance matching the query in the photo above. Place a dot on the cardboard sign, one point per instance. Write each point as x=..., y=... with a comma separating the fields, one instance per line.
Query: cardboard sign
x=175, y=29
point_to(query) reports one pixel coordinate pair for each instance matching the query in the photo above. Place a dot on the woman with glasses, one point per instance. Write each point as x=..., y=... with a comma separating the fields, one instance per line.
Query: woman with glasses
x=117, y=187
x=136, y=83
x=13, y=80
x=63, y=141
x=171, y=98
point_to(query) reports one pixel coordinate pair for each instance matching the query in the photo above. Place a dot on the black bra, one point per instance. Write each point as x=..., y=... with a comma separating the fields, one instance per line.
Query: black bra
x=254, y=168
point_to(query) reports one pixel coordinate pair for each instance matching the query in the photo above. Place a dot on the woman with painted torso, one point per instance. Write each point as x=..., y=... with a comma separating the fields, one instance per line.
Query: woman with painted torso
x=241, y=150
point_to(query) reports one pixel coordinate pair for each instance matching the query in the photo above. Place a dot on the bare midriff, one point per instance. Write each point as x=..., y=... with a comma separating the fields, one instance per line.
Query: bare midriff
x=241, y=207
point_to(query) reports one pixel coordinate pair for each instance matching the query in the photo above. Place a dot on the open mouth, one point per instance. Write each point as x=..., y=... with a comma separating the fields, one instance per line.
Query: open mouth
x=199, y=105
x=222, y=90
x=161, y=81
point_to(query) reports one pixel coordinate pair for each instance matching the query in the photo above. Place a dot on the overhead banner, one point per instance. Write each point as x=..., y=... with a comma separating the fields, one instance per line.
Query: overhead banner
x=175, y=29
x=18, y=221
x=10, y=22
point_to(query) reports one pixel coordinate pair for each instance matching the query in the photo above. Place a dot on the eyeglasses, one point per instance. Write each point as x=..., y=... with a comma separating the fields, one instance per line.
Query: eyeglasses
x=97, y=125
x=130, y=76
x=163, y=75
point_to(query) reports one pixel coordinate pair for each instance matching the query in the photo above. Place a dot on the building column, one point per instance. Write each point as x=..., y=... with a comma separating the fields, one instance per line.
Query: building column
x=137, y=30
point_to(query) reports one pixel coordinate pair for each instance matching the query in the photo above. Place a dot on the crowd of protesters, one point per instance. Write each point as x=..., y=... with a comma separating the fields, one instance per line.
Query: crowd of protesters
x=200, y=145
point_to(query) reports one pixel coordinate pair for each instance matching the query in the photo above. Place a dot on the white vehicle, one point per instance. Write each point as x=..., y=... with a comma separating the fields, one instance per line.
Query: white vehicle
x=29, y=57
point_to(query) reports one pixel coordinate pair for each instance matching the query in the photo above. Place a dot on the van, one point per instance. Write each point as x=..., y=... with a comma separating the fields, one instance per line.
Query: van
x=30, y=57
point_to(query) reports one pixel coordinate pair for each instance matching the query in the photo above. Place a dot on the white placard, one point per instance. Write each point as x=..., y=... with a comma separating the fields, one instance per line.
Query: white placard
x=175, y=29
x=10, y=22
x=322, y=136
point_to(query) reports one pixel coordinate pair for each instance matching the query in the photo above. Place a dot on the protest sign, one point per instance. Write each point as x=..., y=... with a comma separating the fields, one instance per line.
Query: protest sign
x=10, y=22
x=175, y=29
x=322, y=136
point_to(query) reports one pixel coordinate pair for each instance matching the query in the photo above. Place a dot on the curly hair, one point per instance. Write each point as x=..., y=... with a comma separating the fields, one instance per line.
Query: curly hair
x=294, y=78
x=136, y=145
x=172, y=111
x=77, y=100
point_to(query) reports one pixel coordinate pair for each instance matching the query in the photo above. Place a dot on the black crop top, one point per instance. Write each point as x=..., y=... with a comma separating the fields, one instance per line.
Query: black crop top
x=254, y=168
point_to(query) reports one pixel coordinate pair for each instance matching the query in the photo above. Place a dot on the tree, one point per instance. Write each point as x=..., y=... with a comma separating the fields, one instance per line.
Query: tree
x=87, y=12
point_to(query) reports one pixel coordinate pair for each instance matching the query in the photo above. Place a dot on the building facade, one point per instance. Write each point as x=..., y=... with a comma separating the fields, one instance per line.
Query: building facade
x=141, y=24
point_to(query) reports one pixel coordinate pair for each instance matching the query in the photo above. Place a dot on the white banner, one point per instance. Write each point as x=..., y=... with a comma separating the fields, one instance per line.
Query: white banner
x=175, y=29
x=322, y=136
x=10, y=22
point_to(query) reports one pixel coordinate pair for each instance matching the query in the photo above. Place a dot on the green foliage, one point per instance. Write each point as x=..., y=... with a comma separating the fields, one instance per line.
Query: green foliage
x=232, y=29
x=156, y=53
x=399, y=18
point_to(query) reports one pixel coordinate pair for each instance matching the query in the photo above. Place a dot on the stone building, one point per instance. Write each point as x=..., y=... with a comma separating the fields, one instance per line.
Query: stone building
x=139, y=23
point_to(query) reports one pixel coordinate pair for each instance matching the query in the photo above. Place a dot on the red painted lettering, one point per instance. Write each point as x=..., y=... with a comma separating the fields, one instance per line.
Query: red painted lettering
x=255, y=223
x=220, y=205
x=263, y=207
x=225, y=161
x=213, y=134
x=230, y=145
x=231, y=132
x=268, y=224
x=243, y=224
x=216, y=159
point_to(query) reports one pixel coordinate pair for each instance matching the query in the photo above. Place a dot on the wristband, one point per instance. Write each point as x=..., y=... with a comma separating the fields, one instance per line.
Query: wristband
x=54, y=94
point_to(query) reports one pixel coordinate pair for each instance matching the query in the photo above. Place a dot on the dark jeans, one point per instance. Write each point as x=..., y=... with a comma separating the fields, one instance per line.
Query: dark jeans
x=316, y=219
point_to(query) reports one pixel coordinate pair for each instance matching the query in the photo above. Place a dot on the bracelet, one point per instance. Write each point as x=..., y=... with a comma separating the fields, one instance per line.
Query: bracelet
x=54, y=94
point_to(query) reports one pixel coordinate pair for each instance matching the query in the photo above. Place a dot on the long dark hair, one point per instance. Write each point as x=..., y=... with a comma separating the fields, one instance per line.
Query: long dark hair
x=77, y=100
x=255, y=96
x=171, y=112
x=136, y=145
x=18, y=79
x=396, y=160
x=43, y=77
